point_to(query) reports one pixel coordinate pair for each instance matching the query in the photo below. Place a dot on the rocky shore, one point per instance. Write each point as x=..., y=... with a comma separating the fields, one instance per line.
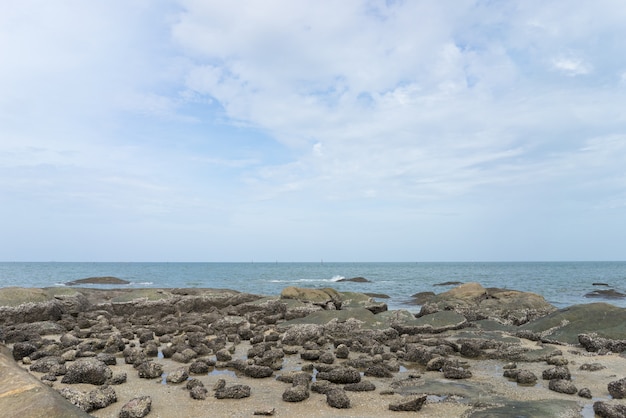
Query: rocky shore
x=469, y=352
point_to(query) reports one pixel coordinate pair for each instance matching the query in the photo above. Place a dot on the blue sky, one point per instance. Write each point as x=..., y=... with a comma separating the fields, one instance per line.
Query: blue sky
x=283, y=130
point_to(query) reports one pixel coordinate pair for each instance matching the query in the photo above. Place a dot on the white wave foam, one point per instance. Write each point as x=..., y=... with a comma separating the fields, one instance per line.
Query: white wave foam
x=337, y=278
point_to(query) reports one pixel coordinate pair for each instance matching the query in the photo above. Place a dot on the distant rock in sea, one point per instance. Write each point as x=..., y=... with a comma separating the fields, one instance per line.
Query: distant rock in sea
x=355, y=279
x=448, y=284
x=98, y=280
x=606, y=294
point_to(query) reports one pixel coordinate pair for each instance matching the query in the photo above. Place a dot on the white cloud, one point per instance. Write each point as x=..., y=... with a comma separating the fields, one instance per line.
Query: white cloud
x=183, y=109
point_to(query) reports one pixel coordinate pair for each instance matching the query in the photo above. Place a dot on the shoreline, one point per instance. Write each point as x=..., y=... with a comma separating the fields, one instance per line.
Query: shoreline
x=213, y=323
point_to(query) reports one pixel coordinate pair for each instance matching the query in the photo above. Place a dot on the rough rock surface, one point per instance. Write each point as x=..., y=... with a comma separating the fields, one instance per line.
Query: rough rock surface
x=136, y=408
x=475, y=302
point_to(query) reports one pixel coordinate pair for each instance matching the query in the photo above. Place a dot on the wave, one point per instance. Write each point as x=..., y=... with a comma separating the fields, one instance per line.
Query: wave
x=331, y=280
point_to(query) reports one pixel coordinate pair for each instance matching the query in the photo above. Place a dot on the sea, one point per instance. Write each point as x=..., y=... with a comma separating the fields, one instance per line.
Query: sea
x=560, y=283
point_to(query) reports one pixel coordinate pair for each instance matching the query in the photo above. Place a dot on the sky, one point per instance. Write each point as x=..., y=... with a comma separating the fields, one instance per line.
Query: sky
x=280, y=130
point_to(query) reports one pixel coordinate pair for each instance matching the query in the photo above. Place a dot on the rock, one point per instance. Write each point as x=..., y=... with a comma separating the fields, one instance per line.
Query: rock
x=557, y=361
x=559, y=372
x=310, y=355
x=421, y=298
x=355, y=279
x=223, y=355
x=321, y=297
x=342, y=351
x=177, y=376
x=322, y=387
x=341, y=375
x=562, y=386
x=118, y=378
x=89, y=401
x=565, y=325
x=199, y=367
x=592, y=367
x=327, y=358
x=617, y=388
x=150, y=370
x=299, y=334
x=98, y=280
x=609, y=410
x=362, y=386
x=475, y=302
x=296, y=393
x=102, y=397
x=88, y=370
x=198, y=392
x=233, y=392
x=606, y=294
x=378, y=370
x=433, y=323
x=51, y=364
x=337, y=398
x=258, y=372
x=23, y=395
x=23, y=349
x=452, y=283
x=409, y=403
x=77, y=398
x=455, y=372
x=585, y=393
x=594, y=343
x=525, y=377
x=137, y=407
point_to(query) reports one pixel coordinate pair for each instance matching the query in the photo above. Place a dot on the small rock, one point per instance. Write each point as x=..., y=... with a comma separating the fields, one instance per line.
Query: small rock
x=362, y=386
x=410, y=403
x=258, y=372
x=378, y=370
x=341, y=375
x=296, y=393
x=177, y=376
x=617, y=388
x=337, y=398
x=562, y=386
x=609, y=410
x=592, y=367
x=198, y=392
x=342, y=351
x=118, y=378
x=137, y=407
x=559, y=372
x=453, y=372
x=585, y=393
x=233, y=392
x=150, y=370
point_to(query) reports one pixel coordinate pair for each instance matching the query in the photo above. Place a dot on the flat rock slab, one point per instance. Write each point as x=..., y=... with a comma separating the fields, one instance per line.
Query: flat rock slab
x=565, y=325
x=23, y=395
x=531, y=409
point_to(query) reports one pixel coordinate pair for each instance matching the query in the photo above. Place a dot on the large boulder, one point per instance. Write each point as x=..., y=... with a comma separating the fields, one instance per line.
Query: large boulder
x=326, y=297
x=87, y=370
x=476, y=303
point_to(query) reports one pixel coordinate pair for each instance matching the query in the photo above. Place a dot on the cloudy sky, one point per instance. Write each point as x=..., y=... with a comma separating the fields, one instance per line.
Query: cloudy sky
x=353, y=130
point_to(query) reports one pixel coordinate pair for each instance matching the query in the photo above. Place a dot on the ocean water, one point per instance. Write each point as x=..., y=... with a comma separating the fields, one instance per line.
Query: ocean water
x=561, y=283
